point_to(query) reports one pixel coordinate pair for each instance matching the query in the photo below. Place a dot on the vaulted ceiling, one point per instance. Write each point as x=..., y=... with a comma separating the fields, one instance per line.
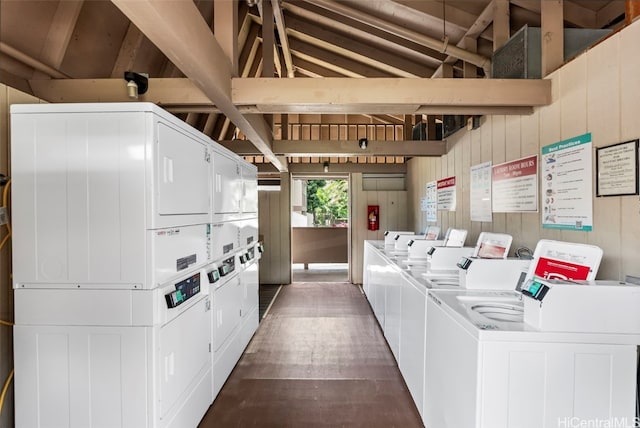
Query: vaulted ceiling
x=299, y=80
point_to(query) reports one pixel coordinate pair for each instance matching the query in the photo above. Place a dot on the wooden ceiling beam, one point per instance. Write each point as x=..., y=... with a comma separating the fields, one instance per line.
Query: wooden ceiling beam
x=337, y=168
x=179, y=31
x=481, y=23
x=393, y=95
x=172, y=91
x=574, y=12
x=128, y=51
x=349, y=47
x=60, y=32
x=458, y=20
x=311, y=69
x=407, y=33
x=372, y=36
x=342, y=148
x=609, y=13
x=284, y=39
x=340, y=64
x=331, y=93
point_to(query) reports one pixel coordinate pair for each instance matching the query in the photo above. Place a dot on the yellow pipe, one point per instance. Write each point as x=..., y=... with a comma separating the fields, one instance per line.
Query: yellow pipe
x=5, y=388
x=5, y=202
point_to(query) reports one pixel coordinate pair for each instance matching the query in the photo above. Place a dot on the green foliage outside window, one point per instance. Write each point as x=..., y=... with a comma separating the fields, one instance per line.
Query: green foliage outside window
x=328, y=201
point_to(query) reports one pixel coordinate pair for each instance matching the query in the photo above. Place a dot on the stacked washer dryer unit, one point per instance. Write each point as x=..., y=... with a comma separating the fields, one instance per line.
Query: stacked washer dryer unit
x=233, y=273
x=112, y=246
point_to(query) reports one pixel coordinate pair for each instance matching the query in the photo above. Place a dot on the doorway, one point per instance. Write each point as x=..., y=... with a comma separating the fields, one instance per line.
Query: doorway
x=320, y=232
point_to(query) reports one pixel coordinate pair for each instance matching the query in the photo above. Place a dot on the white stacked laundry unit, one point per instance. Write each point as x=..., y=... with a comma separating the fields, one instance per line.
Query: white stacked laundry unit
x=235, y=259
x=113, y=243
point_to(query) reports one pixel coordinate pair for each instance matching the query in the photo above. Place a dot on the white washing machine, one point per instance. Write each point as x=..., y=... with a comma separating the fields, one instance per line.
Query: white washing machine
x=487, y=369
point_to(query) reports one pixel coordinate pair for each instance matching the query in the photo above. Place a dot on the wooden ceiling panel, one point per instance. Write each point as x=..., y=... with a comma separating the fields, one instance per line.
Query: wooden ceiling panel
x=375, y=57
x=24, y=25
x=96, y=41
x=359, y=31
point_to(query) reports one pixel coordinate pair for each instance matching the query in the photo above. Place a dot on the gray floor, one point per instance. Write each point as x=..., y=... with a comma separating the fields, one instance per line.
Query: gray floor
x=319, y=359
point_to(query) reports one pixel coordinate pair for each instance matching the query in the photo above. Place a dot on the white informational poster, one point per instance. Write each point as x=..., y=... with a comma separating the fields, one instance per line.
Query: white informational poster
x=423, y=204
x=481, y=192
x=566, y=184
x=447, y=194
x=514, y=186
x=617, y=169
x=432, y=201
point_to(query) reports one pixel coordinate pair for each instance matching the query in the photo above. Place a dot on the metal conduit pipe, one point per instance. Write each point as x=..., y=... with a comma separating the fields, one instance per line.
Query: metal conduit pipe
x=31, y=62
x=439, y=45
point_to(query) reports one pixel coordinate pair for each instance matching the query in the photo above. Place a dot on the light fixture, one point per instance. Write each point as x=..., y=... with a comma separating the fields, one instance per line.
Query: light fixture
x=137, y=83
x=132, y=89
x=325, y=167
x=363, y=143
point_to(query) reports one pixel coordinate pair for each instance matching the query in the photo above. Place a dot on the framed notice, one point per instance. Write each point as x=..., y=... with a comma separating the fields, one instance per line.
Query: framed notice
x=431, y=201
x=515, y=186
x=446, y=194
x=480, y=194
x=617, y=169
x=566, y=184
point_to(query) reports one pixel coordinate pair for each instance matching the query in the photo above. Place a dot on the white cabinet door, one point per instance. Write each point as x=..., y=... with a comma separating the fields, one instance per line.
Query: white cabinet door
x=73, y=376
x=227, y=184
x=392, y=310
x=249, y=279
x=412, y=339
x=249, y=202
x=227, y=305
x=182, y=170
x=184, y=354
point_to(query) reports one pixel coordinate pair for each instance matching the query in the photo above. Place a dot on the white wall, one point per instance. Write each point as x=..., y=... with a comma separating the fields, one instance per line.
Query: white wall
x=597, y=92
x=393, y=216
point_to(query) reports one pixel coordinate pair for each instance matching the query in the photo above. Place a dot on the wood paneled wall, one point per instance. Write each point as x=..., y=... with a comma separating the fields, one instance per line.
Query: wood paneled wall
x=319, y=245
x=275, y=232
x=597, y=92
x=8, y=96
x=393, y=216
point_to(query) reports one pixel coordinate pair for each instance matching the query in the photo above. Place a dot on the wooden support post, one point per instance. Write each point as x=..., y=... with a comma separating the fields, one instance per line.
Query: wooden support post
x=501, y=23
x=552, y=35
x=431, y=127
x=631, y=11
x=225, y=25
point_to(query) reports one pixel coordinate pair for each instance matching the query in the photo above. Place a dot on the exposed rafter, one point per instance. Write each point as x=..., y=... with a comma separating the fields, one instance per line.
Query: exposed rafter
x=337, y=168
x=408, y=34
x=284, y=39
x=330, y=95
x=342, y=148
x=393, y=95
x=174, y=26
x=373, y=37
x=374, y=48
x=60, y=32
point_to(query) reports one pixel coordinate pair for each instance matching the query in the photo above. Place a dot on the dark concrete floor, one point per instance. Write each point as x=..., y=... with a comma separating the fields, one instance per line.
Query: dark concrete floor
x=318, y=359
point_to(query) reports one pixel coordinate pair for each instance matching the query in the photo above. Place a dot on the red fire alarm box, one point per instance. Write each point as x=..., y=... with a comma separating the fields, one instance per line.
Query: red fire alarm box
x=373, y=217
